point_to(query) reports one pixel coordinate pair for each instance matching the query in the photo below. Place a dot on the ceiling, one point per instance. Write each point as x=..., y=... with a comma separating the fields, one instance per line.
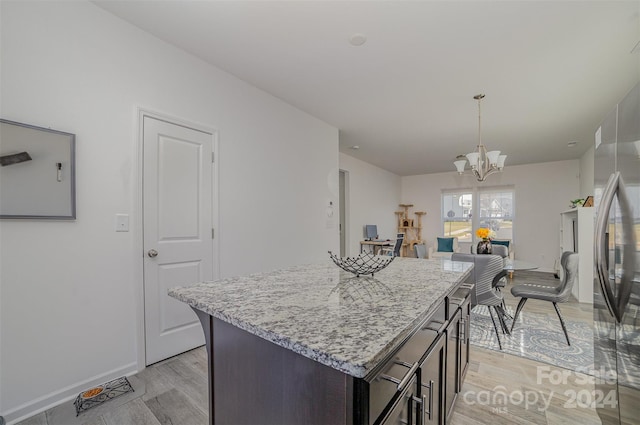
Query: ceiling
x=550, y=70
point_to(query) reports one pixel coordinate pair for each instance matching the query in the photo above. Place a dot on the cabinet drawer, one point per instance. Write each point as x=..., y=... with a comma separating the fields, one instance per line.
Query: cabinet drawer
x=391, y=381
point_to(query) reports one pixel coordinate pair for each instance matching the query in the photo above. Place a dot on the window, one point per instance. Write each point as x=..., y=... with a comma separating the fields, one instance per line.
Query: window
x=457, y=215
x=495, y=208
x=496, y=212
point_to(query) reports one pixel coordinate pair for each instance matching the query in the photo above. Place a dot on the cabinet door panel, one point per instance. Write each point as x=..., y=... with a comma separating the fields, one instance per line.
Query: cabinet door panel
x=403, y=412
x=452, y=361
x=432, y=376
x=464, y=342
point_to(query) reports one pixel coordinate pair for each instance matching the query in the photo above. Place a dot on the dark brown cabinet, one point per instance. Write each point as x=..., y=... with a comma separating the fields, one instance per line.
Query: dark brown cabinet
x=432, y=384
x=410, y=386
x=442, y=345
x=465, y=319
x=416, y=384
x=452, y=362
x=457, y=362
x=403, y=411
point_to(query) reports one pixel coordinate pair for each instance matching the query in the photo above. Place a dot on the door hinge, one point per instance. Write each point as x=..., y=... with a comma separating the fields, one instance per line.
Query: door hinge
x=213, y=157
x=213, y=233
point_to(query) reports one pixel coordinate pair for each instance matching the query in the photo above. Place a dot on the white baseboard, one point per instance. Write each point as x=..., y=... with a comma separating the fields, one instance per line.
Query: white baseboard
x=63, y=395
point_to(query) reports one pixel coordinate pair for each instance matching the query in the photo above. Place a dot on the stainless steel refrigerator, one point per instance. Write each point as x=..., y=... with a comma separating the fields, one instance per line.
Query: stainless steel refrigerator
x=616, y=310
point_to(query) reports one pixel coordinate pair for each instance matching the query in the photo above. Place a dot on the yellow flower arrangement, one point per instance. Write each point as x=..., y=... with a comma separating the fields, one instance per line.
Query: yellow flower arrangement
x=484, y=233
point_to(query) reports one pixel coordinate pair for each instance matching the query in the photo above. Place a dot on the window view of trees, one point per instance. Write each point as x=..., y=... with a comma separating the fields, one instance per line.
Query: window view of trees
x=496, y=212
x=457, y=215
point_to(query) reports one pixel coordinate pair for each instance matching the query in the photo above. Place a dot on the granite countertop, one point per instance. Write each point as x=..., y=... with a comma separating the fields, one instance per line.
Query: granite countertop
x=326, y=314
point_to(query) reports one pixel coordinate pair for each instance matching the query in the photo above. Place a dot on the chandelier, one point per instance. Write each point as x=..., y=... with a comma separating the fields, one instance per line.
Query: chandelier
x=482, y=163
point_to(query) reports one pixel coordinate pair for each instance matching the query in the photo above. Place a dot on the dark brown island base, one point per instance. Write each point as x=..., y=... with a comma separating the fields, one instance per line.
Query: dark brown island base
x=315, y=345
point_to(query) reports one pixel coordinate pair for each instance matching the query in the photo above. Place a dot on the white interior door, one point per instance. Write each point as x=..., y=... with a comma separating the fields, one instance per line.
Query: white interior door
x=178, y=235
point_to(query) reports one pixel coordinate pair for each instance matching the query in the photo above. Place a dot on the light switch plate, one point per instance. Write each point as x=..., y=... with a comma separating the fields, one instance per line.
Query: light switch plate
x=122, y=222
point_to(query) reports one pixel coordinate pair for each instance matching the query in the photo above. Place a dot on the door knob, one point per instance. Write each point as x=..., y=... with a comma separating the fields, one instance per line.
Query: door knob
x=152, y=253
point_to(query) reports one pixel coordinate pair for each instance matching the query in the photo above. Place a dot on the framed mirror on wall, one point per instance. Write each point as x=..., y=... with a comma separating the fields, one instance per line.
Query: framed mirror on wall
x=37, y=172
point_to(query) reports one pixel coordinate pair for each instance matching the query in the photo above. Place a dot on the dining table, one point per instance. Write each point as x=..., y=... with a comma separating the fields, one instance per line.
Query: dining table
x=511, y=265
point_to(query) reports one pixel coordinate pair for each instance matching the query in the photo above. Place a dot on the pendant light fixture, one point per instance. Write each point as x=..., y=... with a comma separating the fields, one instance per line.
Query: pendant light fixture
x=482, y=163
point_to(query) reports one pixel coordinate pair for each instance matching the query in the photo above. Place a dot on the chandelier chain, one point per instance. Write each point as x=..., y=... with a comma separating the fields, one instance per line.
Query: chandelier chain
x=479, y=122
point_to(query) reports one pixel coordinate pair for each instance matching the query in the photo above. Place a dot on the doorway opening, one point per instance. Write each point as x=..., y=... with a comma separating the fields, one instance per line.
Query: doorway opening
x=344, y=240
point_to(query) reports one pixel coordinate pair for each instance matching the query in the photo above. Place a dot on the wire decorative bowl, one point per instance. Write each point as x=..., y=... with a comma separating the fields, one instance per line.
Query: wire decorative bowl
x=365, y=263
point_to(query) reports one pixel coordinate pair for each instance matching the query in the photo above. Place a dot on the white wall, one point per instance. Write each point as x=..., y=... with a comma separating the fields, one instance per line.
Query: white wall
x=542, y=191
x=373, y=195
x=70, y=291
x=587, y=173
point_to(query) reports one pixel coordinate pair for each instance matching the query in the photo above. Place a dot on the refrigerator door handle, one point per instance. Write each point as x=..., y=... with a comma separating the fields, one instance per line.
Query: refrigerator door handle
x=615, y=186
x=628, y=248
x=602, y=219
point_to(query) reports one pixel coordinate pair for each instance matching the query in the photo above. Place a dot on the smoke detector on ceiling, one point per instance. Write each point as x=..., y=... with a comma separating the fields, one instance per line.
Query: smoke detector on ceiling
x=357, y=39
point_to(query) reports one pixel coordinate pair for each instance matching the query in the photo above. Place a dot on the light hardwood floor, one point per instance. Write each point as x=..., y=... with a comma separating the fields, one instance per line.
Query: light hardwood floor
x=499, y=388
x=536, y=393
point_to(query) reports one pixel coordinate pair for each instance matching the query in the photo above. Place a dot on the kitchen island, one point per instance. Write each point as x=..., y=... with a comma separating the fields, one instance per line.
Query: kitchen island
x=315, y=344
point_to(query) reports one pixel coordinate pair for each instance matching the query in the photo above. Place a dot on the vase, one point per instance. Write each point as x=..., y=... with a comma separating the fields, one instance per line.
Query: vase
x=484, y=247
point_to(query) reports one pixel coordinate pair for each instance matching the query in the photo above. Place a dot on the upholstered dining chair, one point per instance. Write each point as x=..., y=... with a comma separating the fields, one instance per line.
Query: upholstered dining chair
x=486, y=269
x=500, y=250
x=507, y=243
x=420, y=250
x=503, y=252
x=553, y=294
